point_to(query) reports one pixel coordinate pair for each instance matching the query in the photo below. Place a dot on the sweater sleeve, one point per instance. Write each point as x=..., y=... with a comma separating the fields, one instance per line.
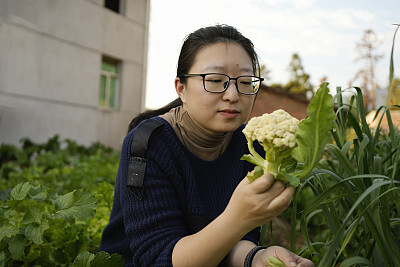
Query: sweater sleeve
x=156, y=223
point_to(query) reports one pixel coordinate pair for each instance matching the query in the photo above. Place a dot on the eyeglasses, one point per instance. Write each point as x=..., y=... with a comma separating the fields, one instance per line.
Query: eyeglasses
x=218, y=83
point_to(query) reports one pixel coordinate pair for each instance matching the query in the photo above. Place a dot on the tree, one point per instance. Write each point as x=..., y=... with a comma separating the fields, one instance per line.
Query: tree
x=367, y=53
x=299, y=81
x=265, y=72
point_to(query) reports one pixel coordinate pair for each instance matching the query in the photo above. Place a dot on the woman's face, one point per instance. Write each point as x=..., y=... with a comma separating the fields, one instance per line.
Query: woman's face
x=217, y=113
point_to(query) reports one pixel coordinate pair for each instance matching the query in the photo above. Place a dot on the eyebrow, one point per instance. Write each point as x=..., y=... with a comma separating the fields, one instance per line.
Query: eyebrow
x=220, y=68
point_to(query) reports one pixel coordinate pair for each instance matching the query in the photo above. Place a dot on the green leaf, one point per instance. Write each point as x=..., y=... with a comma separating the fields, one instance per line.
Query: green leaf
x=264, y=230
x=2, y=259
x=250, y=159
x=391, y=65
x=34, y=253
x=356, y=260
x=342, y=159
x=6, y=212
x=292, y=179
x=314, y=131
x=38, y=192
x=34, y=232
x=83, y=259
x=258, y=171
x=275, y=262
x=104, y=259
x=16, y=246
x=77, y=205
x=8, y=231
x=33, y=215
x=20, y=191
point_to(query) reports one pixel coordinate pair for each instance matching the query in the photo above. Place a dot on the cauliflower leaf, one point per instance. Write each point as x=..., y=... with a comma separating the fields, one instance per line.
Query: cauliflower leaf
x=314, y=132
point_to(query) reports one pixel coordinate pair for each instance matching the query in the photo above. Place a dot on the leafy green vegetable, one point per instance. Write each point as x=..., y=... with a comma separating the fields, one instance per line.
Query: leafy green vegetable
x=86, y=259
x=34, y=231
x=20, y=191
x=104, y=259
x=55, y=200
x=17, y=246
x=83, y=259
x=8, y=231
x=76, y=205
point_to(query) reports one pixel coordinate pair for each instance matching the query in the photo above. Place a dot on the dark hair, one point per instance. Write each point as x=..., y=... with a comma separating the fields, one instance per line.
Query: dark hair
x=153, y=113
x=191, y=45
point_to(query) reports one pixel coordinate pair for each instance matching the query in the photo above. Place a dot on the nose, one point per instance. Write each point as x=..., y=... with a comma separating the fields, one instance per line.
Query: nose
x=231, y=93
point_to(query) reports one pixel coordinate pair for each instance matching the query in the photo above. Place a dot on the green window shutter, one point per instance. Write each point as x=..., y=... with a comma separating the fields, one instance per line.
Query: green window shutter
x=108, y=95
x=102, y=97
x=112, y=92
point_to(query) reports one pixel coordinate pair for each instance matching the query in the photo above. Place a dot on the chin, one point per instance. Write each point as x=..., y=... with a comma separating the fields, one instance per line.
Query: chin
x=229, y=127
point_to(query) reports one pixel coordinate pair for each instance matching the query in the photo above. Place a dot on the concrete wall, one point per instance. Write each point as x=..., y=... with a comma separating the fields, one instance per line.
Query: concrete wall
x=50, y=60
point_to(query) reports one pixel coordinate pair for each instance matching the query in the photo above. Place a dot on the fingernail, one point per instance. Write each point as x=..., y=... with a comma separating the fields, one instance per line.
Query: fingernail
x=292, y=263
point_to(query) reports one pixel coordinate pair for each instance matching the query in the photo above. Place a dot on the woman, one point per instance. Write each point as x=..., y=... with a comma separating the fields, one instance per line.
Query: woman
x=198, y=208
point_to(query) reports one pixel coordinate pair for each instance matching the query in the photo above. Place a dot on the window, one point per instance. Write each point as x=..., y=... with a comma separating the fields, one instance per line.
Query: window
x=114, y=5
x=109, y=83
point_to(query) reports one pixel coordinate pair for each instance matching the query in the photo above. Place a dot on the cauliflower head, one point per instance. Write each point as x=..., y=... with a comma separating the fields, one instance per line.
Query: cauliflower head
x=277, y=128
x=276, y=132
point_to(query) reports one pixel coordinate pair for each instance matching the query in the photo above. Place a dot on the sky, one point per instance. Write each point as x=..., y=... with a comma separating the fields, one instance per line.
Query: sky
x=323, y=33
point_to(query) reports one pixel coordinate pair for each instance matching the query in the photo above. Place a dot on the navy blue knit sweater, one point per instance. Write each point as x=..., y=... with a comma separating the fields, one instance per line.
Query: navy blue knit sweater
x=177, y=184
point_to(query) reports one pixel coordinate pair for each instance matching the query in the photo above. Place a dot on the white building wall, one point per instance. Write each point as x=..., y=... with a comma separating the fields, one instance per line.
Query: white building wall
x=50, y=62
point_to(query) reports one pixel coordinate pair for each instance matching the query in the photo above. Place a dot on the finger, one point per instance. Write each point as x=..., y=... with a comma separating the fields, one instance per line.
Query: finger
x=263, y=183
x=287, y=257
x=245, y=181
x=277, y=187
x=283, y=200
x=271, y=193
x=302, y=262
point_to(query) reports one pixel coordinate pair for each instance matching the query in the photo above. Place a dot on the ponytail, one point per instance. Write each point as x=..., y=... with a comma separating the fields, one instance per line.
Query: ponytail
x=153, y=113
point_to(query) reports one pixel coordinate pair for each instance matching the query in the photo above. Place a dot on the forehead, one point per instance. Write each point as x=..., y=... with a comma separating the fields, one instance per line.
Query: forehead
x=222, y=56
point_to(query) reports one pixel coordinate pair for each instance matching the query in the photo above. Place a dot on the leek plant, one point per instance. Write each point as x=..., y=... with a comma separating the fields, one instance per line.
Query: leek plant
x=357, y=192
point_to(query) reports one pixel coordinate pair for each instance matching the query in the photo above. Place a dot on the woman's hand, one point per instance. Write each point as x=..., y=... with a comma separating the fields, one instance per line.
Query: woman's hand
x=287, y=257
x=256, y=203
x=251, y=205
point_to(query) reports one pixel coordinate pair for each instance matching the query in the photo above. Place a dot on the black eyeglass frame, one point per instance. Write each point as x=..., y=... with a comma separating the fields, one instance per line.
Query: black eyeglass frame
x=203, y=75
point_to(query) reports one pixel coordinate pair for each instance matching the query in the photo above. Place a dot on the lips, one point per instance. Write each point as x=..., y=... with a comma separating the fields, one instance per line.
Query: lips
x=229, y=113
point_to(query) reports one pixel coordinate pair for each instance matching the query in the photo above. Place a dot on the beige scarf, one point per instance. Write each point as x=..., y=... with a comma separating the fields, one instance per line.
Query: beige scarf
x=204, y=145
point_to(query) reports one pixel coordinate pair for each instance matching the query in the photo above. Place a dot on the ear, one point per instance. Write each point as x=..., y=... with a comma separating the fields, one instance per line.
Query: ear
x=180, y=89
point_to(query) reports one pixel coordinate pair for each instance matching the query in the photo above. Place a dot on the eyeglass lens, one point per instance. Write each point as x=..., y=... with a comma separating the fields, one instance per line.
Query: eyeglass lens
x=218, y=83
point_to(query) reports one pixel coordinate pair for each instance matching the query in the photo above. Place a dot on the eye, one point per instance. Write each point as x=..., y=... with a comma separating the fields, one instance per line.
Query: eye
x=215, y=78
x=246, y=81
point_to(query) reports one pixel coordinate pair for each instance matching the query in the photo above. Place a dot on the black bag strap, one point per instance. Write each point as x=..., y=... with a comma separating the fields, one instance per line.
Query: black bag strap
x=137, y=160
x=137, y=168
